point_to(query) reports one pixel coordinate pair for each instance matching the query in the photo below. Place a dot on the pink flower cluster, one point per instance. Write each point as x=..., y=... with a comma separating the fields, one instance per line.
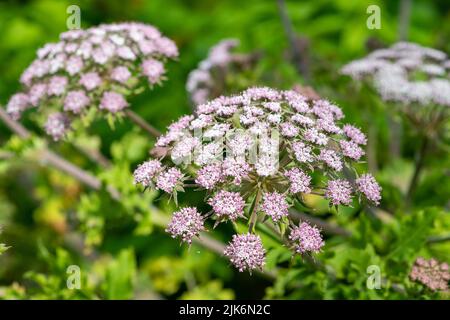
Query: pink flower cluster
x=258, y=153
x=200, y=81
x=306, y=238
x=97, y=67
x=431, y=273
x=186, y=224
x=228, y=204
x=246, y=251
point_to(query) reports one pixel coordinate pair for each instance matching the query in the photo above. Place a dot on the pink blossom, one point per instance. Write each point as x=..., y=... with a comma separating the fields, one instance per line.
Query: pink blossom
x=339, y=192
x=306, y=238
x=351, y=149
x=355, y=134
x=168, y=180
x=431, y=273
x=209, y=176
x=246, y=251
x=228, y=204
x=146, y=171
x=16, y=105
x=274, y=205
x=369, y=187
x=153, y=69
x=186, y=224
x=90, y=80
x=57, y=125
x=300, y=181
x=331, y=158
x=120, y=74
x=76, y=101
x=113, y=102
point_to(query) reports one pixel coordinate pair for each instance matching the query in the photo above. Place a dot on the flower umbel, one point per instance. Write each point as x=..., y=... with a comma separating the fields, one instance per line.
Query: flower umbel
x=96, y=68
x=256, y=154
x=186, y=224
x=431, y=273
x=246, y=251
x=306, y=238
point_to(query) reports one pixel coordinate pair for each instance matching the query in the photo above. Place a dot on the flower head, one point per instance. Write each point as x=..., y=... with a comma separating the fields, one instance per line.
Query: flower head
x=168, y=180
x=17, y=104
x=275, y=205
x=306, y=238
x=57, y=125
x=91, y=68
x=246, y=251
x=146, y=172
x=406, y=73
x=431, y=273
x=300, y=181
x=209, y=176
x=113, y=102
x=186, y=224
x=76, y=101
x=339, y=192
x=200, y=81
x=367, y=185
x=228, y=204
x=256, y=143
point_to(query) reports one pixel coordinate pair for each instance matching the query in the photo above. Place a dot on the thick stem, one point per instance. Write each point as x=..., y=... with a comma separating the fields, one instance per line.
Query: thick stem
x=93, y=155
x=14, y=126
x=142, y=123
x=254, y=210
x=395, y=133
x=420, y=161
x=54, y=160
x=372, y=147
x=437, y=239
x=404, y=18
x=298, y=57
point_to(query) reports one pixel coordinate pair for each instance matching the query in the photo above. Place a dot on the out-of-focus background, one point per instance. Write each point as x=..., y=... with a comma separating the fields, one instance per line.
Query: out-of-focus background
x=50, y=221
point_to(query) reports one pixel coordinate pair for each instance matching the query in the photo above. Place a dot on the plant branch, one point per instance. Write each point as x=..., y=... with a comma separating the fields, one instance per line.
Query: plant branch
x=420, y=161
x=437, y=239
x=404, y=19
x=142, y=123
x=48, y=157
x=93, y=155
x=326, y=227
x=296, y=50
x=253, y=211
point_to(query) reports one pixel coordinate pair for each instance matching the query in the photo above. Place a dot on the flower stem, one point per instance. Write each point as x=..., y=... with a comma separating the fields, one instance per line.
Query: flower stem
x=254, y=210
x=56, y=161
x=298, y=46
x=142, y=123
x=420, y=161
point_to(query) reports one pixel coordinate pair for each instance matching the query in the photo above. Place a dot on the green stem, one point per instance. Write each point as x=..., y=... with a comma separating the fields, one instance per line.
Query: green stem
x=254, y=210
x=420, y=161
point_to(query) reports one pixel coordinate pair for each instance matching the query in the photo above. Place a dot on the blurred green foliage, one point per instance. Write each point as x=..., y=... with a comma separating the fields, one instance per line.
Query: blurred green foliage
x=51, y=221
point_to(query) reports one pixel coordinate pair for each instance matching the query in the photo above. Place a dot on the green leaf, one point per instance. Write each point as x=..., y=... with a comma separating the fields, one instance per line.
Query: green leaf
x=120, y=276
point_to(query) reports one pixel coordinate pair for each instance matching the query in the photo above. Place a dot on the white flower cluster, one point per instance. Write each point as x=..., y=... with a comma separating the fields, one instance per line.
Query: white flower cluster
x=406, y=73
